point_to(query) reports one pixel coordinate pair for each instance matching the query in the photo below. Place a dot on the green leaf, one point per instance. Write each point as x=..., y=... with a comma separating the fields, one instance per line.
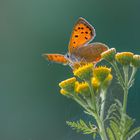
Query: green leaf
x=120, y=127
x=114, y=110
x=110, y=134
x=132, y=133
x=111, y=109
x=94, y=135
x=128, y=123
x=81, y=126
x=116, y=129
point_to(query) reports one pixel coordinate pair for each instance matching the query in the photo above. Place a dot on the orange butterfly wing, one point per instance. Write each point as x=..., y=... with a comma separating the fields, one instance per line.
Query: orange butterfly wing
x=58, y=58
x=82, y=34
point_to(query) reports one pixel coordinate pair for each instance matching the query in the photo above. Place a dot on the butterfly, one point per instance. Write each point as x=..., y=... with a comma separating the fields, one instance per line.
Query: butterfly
x=79, y=49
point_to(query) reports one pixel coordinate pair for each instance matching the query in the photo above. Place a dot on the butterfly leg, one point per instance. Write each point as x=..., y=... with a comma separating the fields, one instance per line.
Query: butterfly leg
x=84, y=60
x=71, y=65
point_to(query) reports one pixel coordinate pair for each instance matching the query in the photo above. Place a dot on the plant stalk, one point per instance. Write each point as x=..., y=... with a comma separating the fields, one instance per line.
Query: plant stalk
x=134, y=70
x=103, y=98
x=124, y=83
x=93, y=98
x=99, y=121
x=102, y=131
x=125, y=88
x=118, y=74
x=125, y=69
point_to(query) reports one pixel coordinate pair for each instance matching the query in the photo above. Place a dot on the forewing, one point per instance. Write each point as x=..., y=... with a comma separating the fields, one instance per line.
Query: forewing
x=58, y=58
x=82, y=34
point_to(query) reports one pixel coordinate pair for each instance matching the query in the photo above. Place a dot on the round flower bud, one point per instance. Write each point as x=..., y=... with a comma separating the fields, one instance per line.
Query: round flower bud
x=136, y=61
x=68, y=85
x=109, y=55
x=108, y=80
x=63, y=92
x=101, y=73
x=83, y=89
x=95, y=83
x=84, y=72
x=124, y=58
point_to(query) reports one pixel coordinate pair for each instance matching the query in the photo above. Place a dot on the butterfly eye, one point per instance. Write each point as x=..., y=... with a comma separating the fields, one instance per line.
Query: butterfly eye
x=67, y=55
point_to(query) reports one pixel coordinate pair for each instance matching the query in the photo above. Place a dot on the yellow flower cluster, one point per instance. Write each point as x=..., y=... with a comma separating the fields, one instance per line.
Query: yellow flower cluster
x=68, y=85
x=136, y=61
x=83, y=88
x=95, y=83
x=124, y=58
x=109, y=55
x=84, y=72
x=101, y=73
x=88, y=74
x=97, y=76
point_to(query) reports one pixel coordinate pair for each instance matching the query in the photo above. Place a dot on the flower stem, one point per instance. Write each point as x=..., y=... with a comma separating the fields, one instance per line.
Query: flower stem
x=99, y=121
x=102, y=131
x=134, y=70
x=124, y=83
x=80, y=101
x=103, y=98
x=118, y=74
x=125, y=69
x=125, y=88
x=125, y=100
x=93, y=98
x=95, y=115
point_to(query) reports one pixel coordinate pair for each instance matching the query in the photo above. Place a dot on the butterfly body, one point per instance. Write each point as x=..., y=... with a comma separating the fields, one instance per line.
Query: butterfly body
x=79, y=49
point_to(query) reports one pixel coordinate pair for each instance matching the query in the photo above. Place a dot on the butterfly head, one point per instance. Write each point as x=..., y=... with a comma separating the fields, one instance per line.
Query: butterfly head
x=72, y=60
x=67, y=55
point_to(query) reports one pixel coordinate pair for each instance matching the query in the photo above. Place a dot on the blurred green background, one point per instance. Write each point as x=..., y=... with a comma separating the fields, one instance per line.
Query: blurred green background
x=31, y=107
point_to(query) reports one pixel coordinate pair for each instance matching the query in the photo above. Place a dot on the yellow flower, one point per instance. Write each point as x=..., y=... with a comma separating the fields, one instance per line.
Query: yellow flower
x=101, y=73
x=109, y=55
x=124, y=58
x=63, y=92
x=95, y=83
x=83, y=88
x=76, y=65
x=108, y=80
x=136, y=61
x=68, y=84
x=76, y=85
x=84, y=72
